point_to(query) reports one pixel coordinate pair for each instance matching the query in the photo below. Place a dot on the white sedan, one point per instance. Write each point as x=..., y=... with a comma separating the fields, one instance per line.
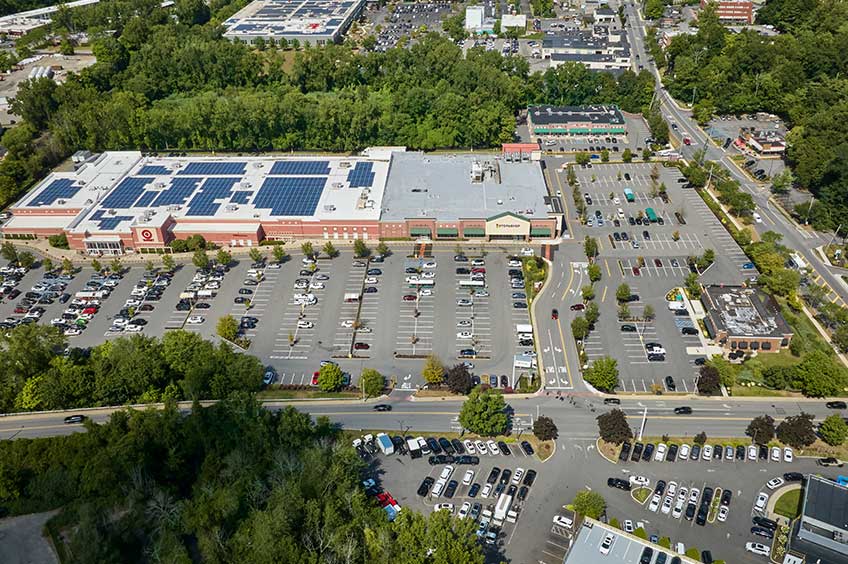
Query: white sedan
x=371, y=280
x=195, y=320
x=468, y=478
x=443, y=507
x=302, y=324
x=655, y=503
x=774, y=483
x=316, y=286
x=666, y=506
x=469, y=447
x=660, y=454
x=481, y=447
x=430, y=264
x=465, y=335
x=640, y=481
x=428, y=275
x=73, y=331
x=347, y=323
x=493, y=448
x=134, y=328
x=787, y=454
x=722, y=513
x=463, y=511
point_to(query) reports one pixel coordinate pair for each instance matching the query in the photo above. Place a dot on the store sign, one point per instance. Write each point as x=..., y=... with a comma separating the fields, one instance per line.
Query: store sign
x=508, y=225
x=146, y=235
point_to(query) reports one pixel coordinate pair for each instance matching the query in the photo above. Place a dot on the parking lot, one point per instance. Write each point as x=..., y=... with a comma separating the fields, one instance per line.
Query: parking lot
x=635, y=140
x=406, y=18
x=652, y=257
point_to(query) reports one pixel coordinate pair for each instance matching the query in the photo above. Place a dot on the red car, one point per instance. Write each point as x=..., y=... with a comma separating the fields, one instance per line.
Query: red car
x=636, y=271
x=554, y=314
x=409, y=298
x=315, y=378
x=578, y=307
x=90, y=310
x=478, y=270
x=21, y=309
x=361, y=346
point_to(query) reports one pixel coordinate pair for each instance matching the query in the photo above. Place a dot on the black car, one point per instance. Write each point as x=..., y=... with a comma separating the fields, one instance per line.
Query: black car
x=63, y=298
x=499, y=489
x=504, y=448
x=707, y=497
x=685, y=410
x=624, y=455
x=648, y=452
x=647, y=555
x=493, y=475
x=762, y=532
x=612, y=401
x=706, y=557
x=400, y=444
x=434, y=445
x=529, y=478
x=763, y=453
x=369, y=290
x=793, y=477
x=462, y=270
x=460, y=258
x=511, y=490
x=505, y=476
x=836, y=405
x=522, y=493
x=619, y=483
x=374, y=272
x=637, y=452
x=669, y=383
x=764, y=523
x=71, y=419
x=527, y=448
x=660, y=487
x=201, y=305
x=458, y=446
x=446, y=446
x=425, y=486
x=740, y=452
x=690, y=511
x=474, y=490
x=695, y=454
x=451, y=489
x=661, y=558
x=671, y=455
x=725, y=497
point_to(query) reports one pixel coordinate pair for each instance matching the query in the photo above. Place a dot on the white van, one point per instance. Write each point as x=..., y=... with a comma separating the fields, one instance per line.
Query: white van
x=620, y=213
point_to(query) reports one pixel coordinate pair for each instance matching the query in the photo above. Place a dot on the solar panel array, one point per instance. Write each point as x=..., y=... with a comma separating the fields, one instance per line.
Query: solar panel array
x=311, y=168
x=213, y=189
x=126, y=193
x=361, y=176
x=214, y=168
x=108, y=223
x=59, y=189
x=145, y=199
x=240, y=197
x=178, y=192
x=153, y=170
x=290, y=196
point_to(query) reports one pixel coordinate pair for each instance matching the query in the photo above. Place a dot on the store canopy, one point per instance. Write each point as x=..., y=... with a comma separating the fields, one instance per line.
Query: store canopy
x=540, y=232
x=420, y=231
x=474, y=232
x=447, y=232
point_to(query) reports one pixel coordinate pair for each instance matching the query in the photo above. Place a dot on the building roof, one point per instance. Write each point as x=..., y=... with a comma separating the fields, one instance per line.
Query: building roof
x=551, y=115
x=826, y=501
x=440, y=187
x=291, y=19
x=626, y=548
x=744, y=312
x=585, y=41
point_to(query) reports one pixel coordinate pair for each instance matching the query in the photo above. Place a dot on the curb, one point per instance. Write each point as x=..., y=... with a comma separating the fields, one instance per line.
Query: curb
x=604, y=456
x=539, y=361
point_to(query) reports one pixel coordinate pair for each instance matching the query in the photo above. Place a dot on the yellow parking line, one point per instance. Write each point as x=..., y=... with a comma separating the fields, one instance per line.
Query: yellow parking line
x=606, y=263
x=568, y=287
x=604, y=295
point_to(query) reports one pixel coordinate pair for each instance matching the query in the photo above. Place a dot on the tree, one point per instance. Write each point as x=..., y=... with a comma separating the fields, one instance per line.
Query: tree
x=590, y=247
x=589, y=504
x=200, y=259
x=115, y=266
x=613, y=427
x=228, y=328
x=26, y=259
x=95, y=264
x=148, y=266
x=594, y=272
x=592, y=313
x=371, y=382
x=433, y=371
x=782, y=281
x=797, y=430
x=833, y=430
x=222, y=257
x=579, y=327
x=692, y=285
x=627, y=155
x=47, y=263
x=459, y=379
x=818, y=375
x=588, y=292
x=279, y=253
x=700, y=438
x=545, y=429
x=360, y=249
x=605, y=155
x=192, y=12
x=603, y=374
x=307, y=250
x=623, y=293
x=382, y=249
x=484, y=413
x=761, y=429
x=330, y=377
x=709, y=381
x=839, y=338
x=168, y=262
x=330, y=250
x=623, y=311
x=648, y=312
x=582, y=158
x=255, y=254
x=782, y=182
x=67, y=266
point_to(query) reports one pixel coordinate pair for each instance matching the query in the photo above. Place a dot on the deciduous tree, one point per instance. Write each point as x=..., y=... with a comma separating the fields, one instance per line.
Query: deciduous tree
x=761, y=429
x=589, y=504
x=545, y=429
x=797, y=430
x=484, y=413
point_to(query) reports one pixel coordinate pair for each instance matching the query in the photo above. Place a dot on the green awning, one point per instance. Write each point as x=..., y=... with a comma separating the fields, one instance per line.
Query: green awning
x=579, y=130
x=616, y=130
x=540, y=232
x=418, y=231
x=447, y=232
x=474, y=232
x=599, y=130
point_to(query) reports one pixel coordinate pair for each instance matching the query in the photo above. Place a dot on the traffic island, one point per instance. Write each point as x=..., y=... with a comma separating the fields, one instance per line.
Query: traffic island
x=641, y=495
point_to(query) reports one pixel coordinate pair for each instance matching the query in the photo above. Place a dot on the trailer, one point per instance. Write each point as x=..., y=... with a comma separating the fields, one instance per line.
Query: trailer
x=676, y=306
x=206, y=293
x=413, y=448
x=385, y=444
x=629, y=195
x=502, y=508
x=351, y=297
x=188, y=295
x=524, y=329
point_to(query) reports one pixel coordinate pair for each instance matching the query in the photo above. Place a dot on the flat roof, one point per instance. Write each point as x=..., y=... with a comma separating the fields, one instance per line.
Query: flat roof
x=550, y=115
x=303, y=19
x=826, y=501
x=441, y=187
x=744, y=311
x=626, y=548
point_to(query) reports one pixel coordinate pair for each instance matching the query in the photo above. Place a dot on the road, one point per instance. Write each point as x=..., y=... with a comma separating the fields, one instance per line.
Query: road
x=800, y=240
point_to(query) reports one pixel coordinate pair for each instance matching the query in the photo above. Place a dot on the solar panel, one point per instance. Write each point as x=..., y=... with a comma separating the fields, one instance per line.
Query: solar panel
x=145, y=199
x=301, y=167
x=178, y=192
x=240, y=197
x=126, y=193
x=213, y=189
x=153, y=170
x=290, y=196
x=59, y=189
x=108, y=223
x=361, y=176
x=214, y=168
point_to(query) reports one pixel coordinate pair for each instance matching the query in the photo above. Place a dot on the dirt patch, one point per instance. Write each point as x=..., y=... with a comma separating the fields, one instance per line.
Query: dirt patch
x=21, y=540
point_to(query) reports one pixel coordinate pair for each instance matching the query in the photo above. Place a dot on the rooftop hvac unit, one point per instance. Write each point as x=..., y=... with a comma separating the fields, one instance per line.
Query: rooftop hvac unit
x=174, y=207
x=256, y=215
x=246, y=184
x=344, y=164
x=81, y=182
x=337, y=185
x=159, y=184
x=231, y=207
x=370, y=204
x=112, y=212
x=178, y=165
x=329, y=208
x=258, y=164
x=60, y=202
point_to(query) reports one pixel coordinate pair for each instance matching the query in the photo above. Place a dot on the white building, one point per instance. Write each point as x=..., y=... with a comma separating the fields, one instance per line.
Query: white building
x=476, y=20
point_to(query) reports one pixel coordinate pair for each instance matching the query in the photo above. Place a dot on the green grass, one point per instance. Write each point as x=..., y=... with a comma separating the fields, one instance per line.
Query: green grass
x=642, y=494
x=759, y=392
x=789, y=504
x=303, y=394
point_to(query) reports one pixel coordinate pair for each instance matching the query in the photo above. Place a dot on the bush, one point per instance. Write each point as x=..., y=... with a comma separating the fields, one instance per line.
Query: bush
x=833, y=430
x=59, y=241
x=589, y=504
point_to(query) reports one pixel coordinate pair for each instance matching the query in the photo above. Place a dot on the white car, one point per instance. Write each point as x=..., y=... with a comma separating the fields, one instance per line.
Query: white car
x=132, y=303
x=134, y=328
x=722, y=513
x=493, y=448
x=316, y=286
x=72, y=331
x=787, y=454
x=371, y=280
x=117, y=328
x=694, y=494
x=659, y=455
x=463, y=323
x=429, y=264
x=655, y=503
x=463, y=511
x=468, y=478
x=465, y=335
x=678, y=509
x=514, y=263
x=562, y=521
x=347, y=323
x=464, y=302
x=666, y=506
x=487, y=489
x=481, y=294
x=481, y=447
x=606, y=545
x=301, y=285
x=640, y=481
x=425, y=292
x=775, y=454
x=478, y=262
x=195, y=320
x=364, y=330
x=302, y=324
x=428, y=275
x=762, y=500
x=447, y=471
x=708, y=453
x=628, y=526
x=616, y=201
x=469, y=447
x=758, y=548
x=757, y=217
x=774, y=483
x=443, y=507
x=527, y=252
x=516, y=477
x=752, y=452
x=671, y=489
x=306, y=261
x=684, y=453
x=682, y=495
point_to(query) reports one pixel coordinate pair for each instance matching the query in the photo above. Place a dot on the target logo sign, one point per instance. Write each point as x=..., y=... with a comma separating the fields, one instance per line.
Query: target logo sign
x=147, y=234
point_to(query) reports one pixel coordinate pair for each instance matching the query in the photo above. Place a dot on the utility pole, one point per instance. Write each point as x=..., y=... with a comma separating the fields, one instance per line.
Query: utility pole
x=832, y=239
x=644, y=421
x=809, y=209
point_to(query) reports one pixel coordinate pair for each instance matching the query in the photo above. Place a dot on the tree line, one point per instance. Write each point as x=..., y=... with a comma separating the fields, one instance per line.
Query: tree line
x=228, y=483
x=39, y=372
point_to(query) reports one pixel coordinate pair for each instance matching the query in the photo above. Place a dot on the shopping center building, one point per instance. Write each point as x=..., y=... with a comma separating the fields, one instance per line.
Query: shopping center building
x=123, y=201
